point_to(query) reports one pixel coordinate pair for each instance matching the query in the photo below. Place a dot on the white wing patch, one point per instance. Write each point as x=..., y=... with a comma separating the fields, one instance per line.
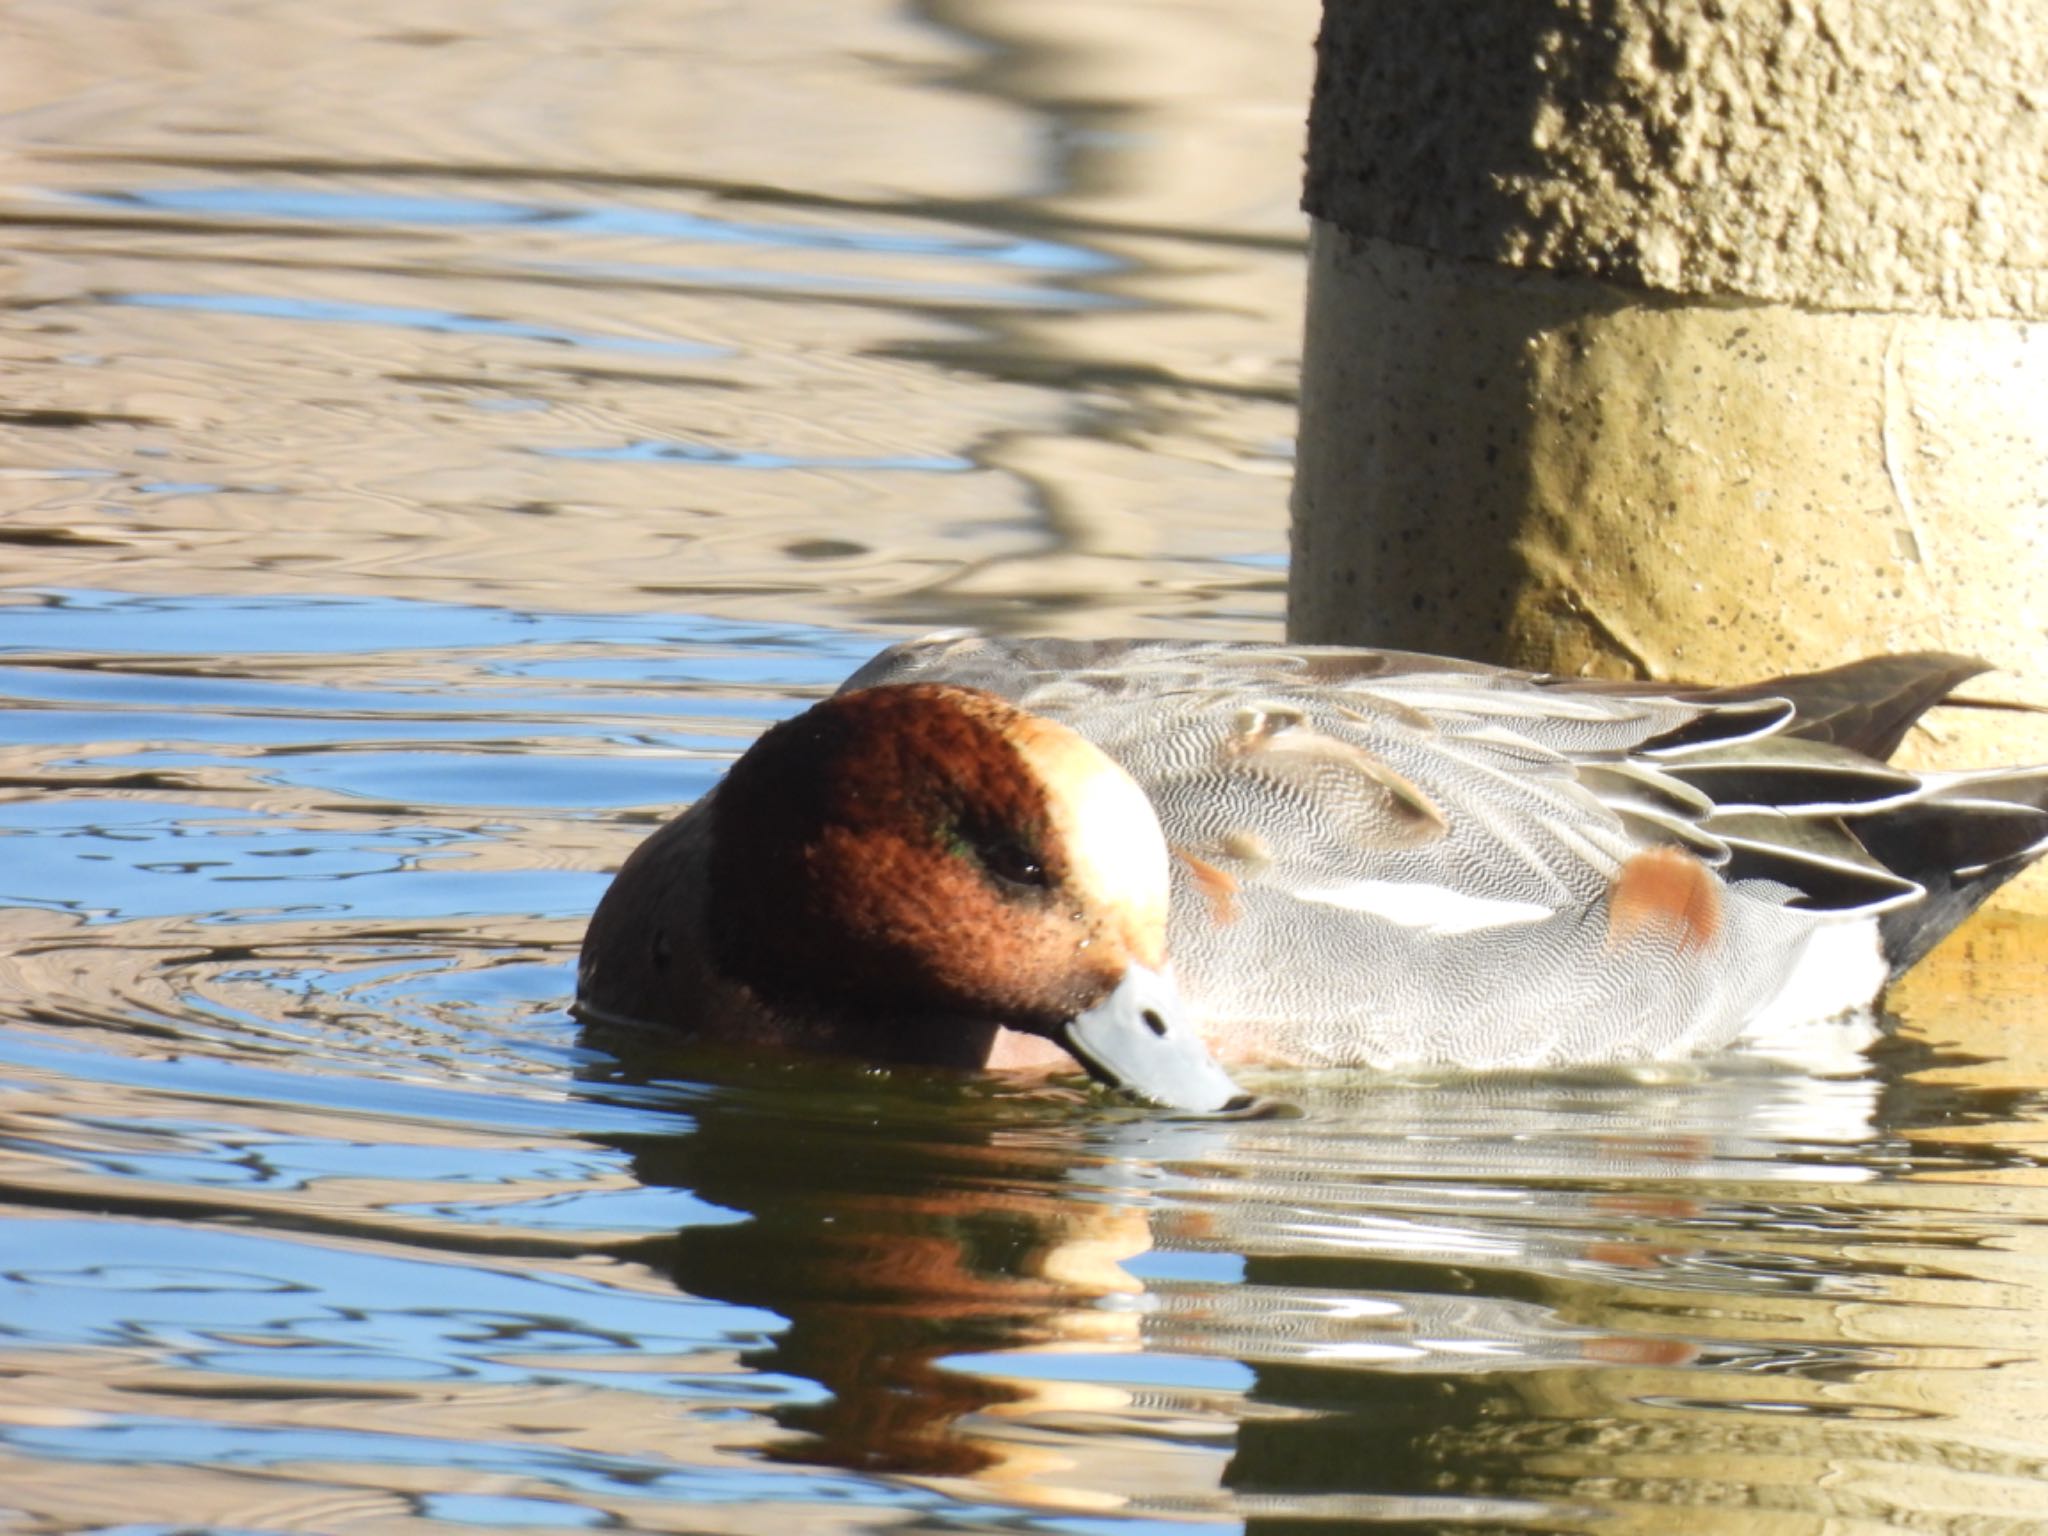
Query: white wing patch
x=1435, y=909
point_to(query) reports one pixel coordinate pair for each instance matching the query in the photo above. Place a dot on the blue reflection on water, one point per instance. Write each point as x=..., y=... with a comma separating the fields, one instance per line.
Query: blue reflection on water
x=350, y=1311
x=759, y=458
x=343, y=1085
x=113, y=860
x=1125, y=1368
x=209, y=1155
x=246, y=201
x=475, y=779
x=1187, y=1266
x=605, y=1210
x=88, y=621
x=499, y=1511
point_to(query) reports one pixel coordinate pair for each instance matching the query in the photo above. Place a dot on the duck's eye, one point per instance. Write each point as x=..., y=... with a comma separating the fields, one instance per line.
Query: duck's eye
x=1011, y=862
x=1005, y=855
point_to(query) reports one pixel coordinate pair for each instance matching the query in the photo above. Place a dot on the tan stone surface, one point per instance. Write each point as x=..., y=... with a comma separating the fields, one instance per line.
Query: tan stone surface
x=1818, y=152
x=1633, y=485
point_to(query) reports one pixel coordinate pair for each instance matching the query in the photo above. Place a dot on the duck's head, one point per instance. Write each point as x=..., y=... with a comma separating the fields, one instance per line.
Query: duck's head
x=925, y=864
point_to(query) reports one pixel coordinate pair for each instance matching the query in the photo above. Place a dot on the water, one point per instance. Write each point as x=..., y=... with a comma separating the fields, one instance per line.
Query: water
x=436, y=440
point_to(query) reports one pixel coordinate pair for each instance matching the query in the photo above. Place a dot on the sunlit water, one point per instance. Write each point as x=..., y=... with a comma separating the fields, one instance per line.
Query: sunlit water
x=436, y=439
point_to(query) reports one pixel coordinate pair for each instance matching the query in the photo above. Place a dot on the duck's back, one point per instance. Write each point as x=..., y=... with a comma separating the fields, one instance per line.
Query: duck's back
x=1389, y=859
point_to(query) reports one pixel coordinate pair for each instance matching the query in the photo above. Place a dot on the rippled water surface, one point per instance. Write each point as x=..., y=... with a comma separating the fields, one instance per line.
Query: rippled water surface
x=436, y=439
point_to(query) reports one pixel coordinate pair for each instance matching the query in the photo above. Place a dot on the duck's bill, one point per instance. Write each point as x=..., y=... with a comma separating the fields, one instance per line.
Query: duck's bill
x=1140, y=1039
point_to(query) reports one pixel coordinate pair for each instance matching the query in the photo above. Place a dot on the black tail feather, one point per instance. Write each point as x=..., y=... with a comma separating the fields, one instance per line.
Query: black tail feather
x=1961, y=844
x=1869, y=705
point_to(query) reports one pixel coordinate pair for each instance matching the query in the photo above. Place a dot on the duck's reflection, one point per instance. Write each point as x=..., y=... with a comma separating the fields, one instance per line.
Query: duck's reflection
x=895, y=1226
x=1439, y=1302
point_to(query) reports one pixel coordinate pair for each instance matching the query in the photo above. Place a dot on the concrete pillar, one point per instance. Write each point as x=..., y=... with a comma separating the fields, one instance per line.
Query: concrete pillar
x=1651, y=337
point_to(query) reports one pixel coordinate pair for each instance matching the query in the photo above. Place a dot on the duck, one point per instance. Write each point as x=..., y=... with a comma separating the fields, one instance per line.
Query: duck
x=1169, y=860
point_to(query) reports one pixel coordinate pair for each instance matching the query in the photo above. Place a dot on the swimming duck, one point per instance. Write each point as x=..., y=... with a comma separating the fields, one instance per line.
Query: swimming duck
x=1155, y=857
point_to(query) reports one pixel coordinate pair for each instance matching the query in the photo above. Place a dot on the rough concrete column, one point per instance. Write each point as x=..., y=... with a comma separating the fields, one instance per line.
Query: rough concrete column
x=1679, y=340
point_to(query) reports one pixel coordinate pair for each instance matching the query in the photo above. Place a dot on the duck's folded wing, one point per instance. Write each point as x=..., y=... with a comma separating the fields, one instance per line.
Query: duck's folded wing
x=1458, y=795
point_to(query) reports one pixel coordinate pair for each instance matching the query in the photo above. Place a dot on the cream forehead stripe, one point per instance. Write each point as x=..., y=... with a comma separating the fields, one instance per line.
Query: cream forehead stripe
x=1104, y=822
